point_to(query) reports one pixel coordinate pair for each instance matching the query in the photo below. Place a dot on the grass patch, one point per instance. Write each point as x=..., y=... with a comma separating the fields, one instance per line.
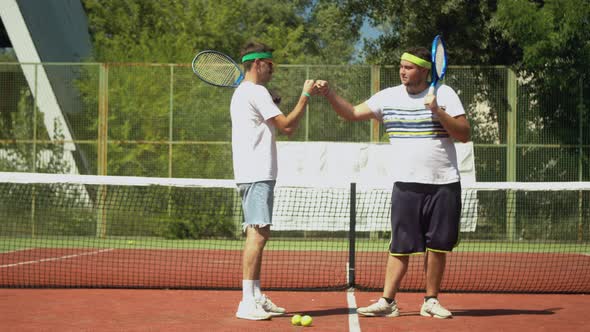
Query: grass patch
x=8, y=244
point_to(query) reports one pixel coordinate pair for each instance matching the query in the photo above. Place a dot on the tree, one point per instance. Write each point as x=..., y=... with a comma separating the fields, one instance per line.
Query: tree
x=465, y=25
x=301, y=31
x=145, y=32
x=552, y=35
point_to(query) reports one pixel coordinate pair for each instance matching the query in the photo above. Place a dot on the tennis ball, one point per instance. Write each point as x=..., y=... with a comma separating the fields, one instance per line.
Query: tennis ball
x=296, y=320
x=306, y=320
x=130, y=242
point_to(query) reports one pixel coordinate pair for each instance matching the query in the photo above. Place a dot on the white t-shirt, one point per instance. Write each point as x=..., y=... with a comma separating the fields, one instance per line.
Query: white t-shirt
x=421, y=151
x=253, y=137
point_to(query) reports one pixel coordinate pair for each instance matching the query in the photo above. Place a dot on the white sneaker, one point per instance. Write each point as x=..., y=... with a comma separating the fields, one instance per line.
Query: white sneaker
x=380, y=309
x=251, y=311
x=270, y=307
x=432, y=308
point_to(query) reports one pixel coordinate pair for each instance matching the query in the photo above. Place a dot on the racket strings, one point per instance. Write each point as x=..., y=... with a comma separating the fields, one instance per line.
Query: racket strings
x=216, y=69
x=440, y=58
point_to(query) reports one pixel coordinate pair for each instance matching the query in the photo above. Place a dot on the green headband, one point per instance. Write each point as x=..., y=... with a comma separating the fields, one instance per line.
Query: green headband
x=257, y=55
x=416, y=60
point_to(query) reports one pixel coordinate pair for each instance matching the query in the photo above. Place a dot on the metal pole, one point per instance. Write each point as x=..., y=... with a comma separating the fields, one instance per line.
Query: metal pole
x=307, y=109
x=511, y=142
x=581, y=109
x=103, y=99
x=352, y=237
x=375, y=87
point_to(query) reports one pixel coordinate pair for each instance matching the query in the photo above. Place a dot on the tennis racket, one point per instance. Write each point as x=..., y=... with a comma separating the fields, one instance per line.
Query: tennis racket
x=217, y=69
x=439, y=66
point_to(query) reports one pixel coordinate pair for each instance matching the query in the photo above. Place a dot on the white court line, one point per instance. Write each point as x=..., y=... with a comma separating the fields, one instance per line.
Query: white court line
x=56, y=258
x=16, y=250
x=353, y=318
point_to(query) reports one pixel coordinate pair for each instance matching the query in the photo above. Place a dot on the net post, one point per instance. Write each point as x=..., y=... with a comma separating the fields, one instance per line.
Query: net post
x=375, y=124
x=102, y=146
x=237, y=213
x=101, y=213
x=352, y=237
x=33, y=204
x=511, y=142
x=103, y=110
x=375, y=87
x=34, y=154
x=171, y=121
x=581, y=109
x=307, y=109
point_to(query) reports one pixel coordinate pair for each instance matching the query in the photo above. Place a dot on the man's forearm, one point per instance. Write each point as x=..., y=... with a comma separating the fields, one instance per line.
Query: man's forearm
x=342, y=107
x=295, y=115
x=457, y=127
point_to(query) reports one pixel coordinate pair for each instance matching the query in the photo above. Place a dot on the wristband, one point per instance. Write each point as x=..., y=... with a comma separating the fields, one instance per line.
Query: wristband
x=306, y=94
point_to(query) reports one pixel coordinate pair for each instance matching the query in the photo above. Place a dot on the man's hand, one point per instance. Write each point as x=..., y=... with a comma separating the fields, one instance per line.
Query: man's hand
x=309, y=87
x=322, y=87
x=430, y=102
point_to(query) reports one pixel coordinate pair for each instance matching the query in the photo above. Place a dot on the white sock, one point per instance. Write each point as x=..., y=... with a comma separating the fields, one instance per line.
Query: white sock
x=257, y=291
x=248, y=290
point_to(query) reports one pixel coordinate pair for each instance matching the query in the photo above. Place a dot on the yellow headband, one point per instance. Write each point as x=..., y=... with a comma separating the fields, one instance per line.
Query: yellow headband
x=416, y=60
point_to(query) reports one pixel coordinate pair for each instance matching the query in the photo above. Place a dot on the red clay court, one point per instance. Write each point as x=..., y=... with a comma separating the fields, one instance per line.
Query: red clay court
x=57, y=309
x=187, y=310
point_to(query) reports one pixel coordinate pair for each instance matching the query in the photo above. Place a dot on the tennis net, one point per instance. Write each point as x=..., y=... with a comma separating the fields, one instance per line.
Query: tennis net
x=77, y=231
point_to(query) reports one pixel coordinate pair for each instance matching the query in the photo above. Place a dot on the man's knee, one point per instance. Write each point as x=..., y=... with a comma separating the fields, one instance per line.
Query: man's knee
x=257, y=233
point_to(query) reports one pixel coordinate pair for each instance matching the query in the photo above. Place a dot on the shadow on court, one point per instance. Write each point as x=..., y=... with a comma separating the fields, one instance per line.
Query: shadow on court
x=326, y=312
x=503, y=312
x=459, y=313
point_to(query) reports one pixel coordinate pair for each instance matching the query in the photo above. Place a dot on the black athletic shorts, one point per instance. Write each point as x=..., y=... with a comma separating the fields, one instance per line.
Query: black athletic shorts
x=424, y=217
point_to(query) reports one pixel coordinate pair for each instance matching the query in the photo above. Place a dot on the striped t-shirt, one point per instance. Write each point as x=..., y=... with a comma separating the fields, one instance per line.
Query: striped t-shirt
x=421, y=149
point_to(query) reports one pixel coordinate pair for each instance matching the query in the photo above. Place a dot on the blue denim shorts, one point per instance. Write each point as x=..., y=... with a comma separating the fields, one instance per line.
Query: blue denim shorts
x=257, y=202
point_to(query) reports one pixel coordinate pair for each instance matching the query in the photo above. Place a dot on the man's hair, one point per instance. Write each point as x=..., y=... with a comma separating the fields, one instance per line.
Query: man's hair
x=253, y=47
x=421, y=52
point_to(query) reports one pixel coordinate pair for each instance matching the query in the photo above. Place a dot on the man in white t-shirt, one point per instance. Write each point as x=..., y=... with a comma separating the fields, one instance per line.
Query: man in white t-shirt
x=254, y=117
x=426, y=197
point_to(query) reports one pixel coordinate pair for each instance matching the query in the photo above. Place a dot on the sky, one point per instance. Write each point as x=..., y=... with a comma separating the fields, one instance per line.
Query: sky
x=367, y=32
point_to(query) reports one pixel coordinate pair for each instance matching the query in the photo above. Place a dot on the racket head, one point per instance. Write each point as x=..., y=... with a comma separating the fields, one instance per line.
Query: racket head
x=439, y=59
x=217, y=69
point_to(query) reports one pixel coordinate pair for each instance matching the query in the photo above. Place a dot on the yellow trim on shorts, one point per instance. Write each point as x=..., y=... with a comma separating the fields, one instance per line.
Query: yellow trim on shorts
x=436, y=250
x=410, y=254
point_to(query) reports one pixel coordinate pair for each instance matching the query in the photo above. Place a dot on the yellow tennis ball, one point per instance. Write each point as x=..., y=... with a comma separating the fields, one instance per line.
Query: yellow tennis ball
x=306, y=320
x=296, y=320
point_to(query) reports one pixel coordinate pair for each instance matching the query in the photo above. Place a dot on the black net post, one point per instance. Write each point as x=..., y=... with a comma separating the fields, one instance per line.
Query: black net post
x=352, y=236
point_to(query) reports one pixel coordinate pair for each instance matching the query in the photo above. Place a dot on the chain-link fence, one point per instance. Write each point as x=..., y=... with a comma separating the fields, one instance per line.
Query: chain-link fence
x=159, y=120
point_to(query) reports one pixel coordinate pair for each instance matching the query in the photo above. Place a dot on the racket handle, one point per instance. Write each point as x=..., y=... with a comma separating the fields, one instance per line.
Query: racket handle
x=431, y=90
x=429, y=97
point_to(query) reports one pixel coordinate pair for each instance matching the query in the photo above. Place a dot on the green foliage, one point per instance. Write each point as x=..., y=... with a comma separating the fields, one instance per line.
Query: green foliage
x=403, y=24
x=552, y=35
x=333, y=34
x=7, y=55
x=201, y=214
x=22, y=120
x=204, y=229
x=173, y=31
